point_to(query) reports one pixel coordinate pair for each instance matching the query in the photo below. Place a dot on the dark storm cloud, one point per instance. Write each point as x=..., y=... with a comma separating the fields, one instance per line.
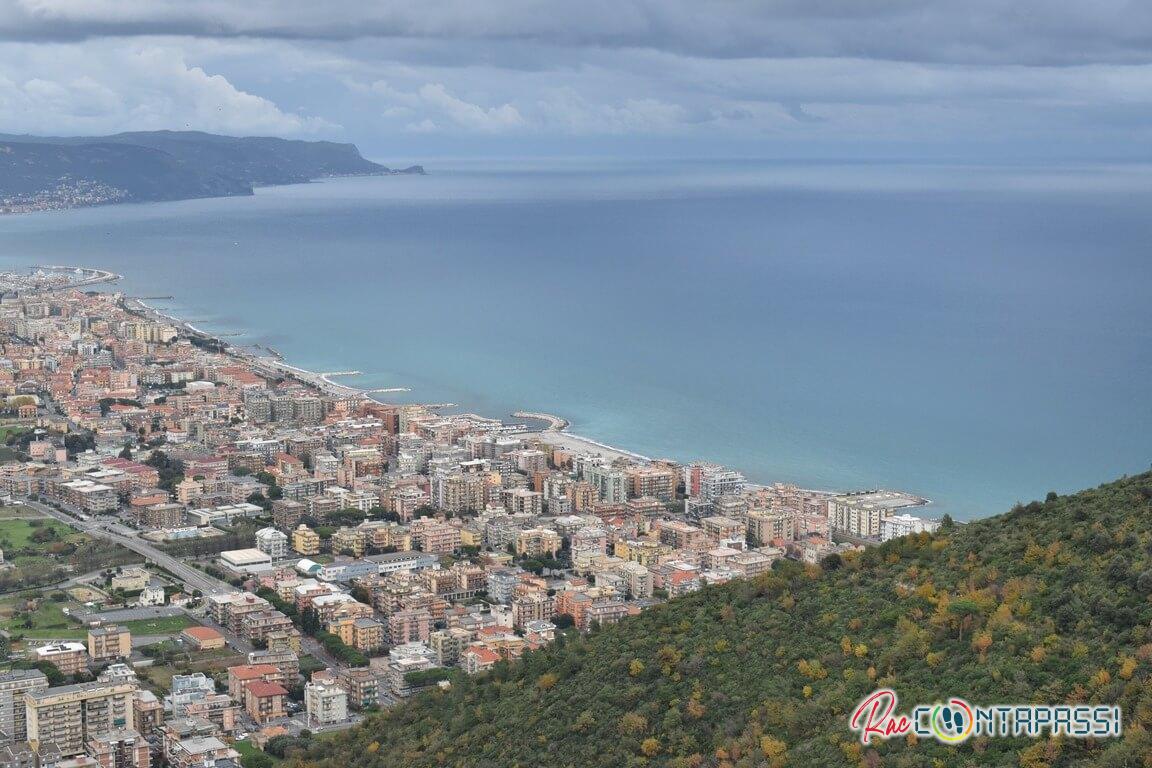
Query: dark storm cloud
x=1032, y=32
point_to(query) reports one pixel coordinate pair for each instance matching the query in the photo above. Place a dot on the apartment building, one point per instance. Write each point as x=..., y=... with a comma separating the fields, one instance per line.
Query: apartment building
x=724, y=531
x=611, y=484
x=286, y=513
x=326, y=703
x=305, y=541
x=534, y=606
x=657, y=482
x=893, y=526
x=538, y=542
x=120, y=748
x=765, y=527
x=272, y=542
x=109, y=643
x=409, y=626
x=362, y=685
x=257, y=625
x=201, y=752
x=432, y=536
x=363, y=633
x=264, y=701
x=87, y=495
x=218, y=709
x=69, y=658
x=13, y=686
x=160, y=516
x=860, y=514
x=71, y=715
x=244, y=675
x=449, y=644
x=521, y=501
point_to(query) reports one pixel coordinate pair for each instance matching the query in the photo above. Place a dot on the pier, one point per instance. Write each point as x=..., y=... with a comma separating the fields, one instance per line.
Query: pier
x=555, y=423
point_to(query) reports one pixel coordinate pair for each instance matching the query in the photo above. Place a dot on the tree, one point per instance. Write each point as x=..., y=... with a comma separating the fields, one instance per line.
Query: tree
x=126, y=452
x=257, y=760
x=963, y=613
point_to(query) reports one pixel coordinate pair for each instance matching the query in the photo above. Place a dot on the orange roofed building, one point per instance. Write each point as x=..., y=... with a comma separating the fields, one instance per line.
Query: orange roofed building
x=203, y=638
x=264, y=701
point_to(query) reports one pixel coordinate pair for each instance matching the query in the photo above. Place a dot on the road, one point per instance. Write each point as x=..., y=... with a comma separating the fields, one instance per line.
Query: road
x=193, y=579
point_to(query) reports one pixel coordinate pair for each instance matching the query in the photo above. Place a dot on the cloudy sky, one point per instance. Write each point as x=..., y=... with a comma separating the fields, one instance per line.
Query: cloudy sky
x=945, y=78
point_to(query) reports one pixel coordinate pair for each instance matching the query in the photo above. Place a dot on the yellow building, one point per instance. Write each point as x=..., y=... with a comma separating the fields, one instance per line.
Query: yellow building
x=643, y=552
x=305, y=541
x=362, y=633
x=352, y=540
x=109, y=643
x=284, y=641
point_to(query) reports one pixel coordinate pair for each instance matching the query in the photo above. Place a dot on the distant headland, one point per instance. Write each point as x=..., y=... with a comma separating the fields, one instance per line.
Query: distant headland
x=40, y=173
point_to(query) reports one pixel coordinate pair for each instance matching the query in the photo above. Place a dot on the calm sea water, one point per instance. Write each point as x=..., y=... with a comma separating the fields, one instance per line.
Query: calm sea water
x=976, y=335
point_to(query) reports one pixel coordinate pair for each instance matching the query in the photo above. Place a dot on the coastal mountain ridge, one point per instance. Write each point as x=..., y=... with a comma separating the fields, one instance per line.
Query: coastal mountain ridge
x=1048, y=604
x=39, y=173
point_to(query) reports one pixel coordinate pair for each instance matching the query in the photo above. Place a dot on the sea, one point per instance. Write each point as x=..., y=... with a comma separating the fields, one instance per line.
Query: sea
x=975, y=334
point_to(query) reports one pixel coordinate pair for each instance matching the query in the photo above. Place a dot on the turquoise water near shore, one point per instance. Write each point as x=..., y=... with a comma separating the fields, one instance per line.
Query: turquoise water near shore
x=977, y=335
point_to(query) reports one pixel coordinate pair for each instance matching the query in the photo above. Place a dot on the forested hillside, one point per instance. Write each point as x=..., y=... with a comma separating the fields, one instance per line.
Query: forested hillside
x=1048, y=603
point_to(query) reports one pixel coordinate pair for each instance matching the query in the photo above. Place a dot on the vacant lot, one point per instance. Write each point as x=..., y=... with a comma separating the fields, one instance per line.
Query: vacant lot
x=46, y=621
x=161, y=625
x=7, y=513
x=159, y=676
x=35, y=536
x=47, y=551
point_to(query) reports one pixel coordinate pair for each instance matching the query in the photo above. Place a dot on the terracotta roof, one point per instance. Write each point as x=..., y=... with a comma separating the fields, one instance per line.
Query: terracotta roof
x=262, y=689
x=203, y=633
x=251, y=671
x=483, y=655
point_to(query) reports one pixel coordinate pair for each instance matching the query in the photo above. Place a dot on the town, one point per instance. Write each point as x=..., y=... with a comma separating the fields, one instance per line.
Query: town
x=210, y=556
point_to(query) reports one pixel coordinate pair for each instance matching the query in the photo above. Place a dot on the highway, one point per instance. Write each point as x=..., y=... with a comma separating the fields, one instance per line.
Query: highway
x=193, y=579
x=105, y=529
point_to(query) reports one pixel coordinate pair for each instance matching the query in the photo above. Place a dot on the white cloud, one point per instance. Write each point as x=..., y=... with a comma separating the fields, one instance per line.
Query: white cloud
x=471, y=116
x=105, y=88
x=442, y=109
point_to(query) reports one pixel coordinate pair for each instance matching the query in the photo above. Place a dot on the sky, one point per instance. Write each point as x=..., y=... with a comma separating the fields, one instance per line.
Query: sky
x=971, y=79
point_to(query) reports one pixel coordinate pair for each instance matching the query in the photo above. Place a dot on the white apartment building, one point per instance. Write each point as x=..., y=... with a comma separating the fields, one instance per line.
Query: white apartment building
x=326, y=703
x=272, y=542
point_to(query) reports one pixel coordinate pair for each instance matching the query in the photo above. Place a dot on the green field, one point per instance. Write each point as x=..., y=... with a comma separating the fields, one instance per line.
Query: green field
x=17, y=534
x=161, y=625
x=47, y=621
x=11, y=429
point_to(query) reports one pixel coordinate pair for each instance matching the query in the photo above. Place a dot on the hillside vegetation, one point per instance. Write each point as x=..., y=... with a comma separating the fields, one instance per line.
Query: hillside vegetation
x=1048, y=603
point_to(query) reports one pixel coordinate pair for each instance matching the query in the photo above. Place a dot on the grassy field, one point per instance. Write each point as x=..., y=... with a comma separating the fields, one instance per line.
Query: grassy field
x=47, y=621
x=11, y=429
x=39, y=563
x=161, y=625
x=17, y=533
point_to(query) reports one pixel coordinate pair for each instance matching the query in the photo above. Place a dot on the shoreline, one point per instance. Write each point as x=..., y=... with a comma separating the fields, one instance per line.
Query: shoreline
x=555, y=432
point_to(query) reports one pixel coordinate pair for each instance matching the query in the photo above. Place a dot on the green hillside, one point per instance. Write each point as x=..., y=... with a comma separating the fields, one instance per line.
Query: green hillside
x=1046, y=604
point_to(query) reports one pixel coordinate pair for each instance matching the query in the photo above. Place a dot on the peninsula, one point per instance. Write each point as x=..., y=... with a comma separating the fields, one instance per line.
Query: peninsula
x=43, y=173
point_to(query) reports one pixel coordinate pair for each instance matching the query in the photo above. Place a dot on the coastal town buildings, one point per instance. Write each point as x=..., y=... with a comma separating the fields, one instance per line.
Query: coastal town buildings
x=298, y=519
